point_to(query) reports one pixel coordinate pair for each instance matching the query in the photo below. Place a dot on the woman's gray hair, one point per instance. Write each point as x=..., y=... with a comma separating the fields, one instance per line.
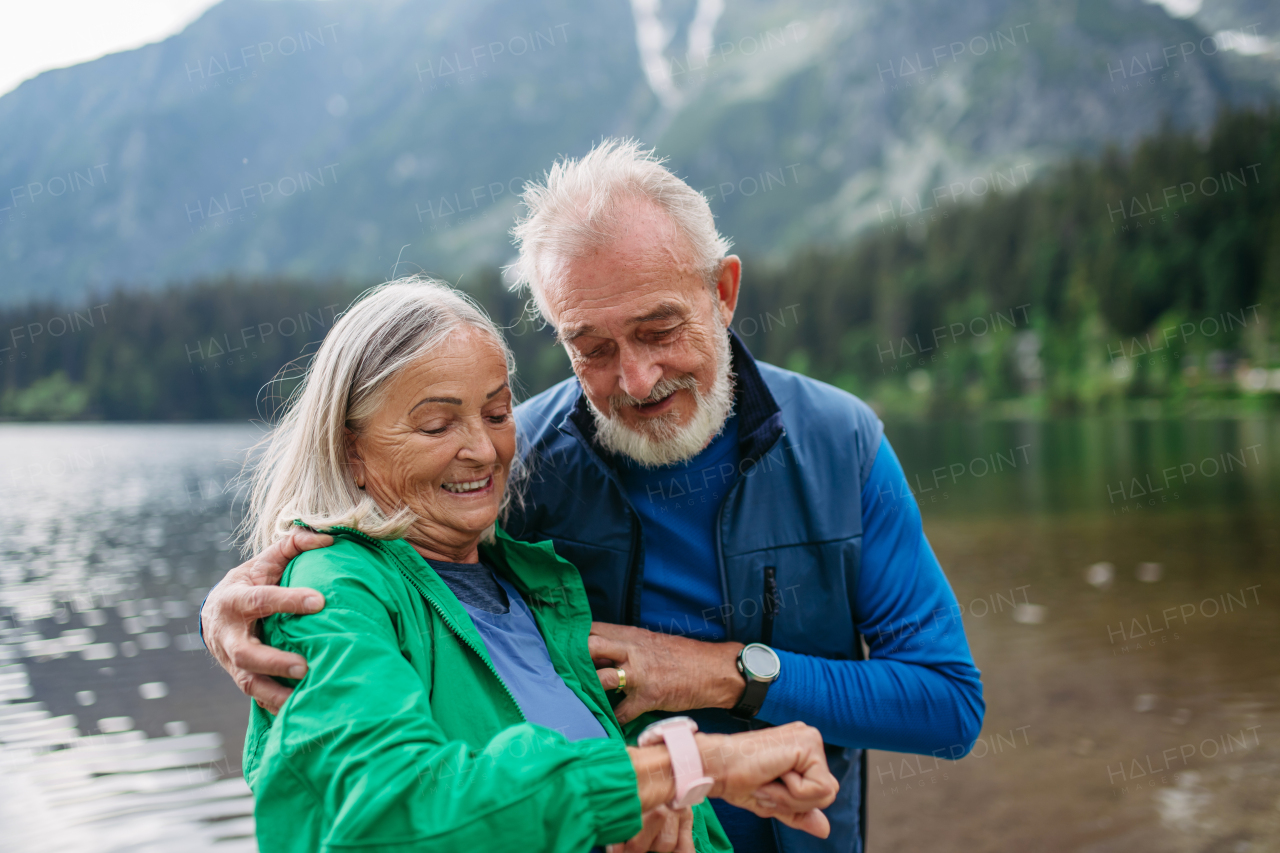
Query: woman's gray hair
x=575, y=209
x=301, y=471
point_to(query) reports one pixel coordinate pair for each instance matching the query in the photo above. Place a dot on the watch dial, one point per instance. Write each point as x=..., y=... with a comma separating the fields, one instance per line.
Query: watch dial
x=762, y=662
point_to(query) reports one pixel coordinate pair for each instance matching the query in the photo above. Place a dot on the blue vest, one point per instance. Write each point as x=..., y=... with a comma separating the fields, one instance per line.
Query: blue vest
x=789, y=530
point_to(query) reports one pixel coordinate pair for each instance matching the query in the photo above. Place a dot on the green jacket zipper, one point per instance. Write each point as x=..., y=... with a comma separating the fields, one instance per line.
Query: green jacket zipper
x=444, y=617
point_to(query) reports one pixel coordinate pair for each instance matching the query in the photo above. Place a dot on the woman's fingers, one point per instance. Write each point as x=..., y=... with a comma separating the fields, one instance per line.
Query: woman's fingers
x=813, y=822
x=774, y=800
x=669, y=834
x=816, y=786
x=795, y=793
x=660, y=832
x=780, y=772
x=684, y=844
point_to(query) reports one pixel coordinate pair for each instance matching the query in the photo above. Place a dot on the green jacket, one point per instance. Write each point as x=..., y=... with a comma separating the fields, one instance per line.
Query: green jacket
x=402, y=737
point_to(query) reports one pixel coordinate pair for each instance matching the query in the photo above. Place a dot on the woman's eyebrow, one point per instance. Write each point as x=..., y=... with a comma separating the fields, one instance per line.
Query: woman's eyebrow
x=454, y=401
x=451, y=400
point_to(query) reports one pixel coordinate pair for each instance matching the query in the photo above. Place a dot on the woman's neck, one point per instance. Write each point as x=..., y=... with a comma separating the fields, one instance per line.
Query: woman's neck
x=469, y=553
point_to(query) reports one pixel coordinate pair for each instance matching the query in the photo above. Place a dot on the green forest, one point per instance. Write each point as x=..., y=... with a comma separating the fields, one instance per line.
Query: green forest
x=1139, y=281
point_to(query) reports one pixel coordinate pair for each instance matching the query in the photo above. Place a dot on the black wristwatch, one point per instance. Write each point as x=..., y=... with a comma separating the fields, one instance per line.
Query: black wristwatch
x=760, y=666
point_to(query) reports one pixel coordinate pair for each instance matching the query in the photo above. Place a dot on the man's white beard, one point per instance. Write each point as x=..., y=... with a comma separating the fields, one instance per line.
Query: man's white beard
x=660, y=440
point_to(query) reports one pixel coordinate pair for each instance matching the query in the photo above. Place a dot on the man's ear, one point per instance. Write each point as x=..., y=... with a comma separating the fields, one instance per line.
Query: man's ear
x=354, y=462
x=726, y=293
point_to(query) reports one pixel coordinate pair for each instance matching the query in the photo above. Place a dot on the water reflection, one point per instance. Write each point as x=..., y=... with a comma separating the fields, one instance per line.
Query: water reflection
x=1136, y=707
x=115, y=733
x=1128, y=641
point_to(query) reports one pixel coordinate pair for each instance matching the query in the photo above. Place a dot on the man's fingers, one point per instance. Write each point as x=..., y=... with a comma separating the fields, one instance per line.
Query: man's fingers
x=606, y=648
x=270, y=564
x=608, y=677
x=268, y=692
x=629, y=709
x=255, y=658
x=252, y=603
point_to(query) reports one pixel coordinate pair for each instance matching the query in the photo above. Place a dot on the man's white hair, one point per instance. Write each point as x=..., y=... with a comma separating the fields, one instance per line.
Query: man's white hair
x=577, y=209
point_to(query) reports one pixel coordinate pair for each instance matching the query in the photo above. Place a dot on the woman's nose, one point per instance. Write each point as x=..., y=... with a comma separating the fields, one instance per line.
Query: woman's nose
x=478, y=446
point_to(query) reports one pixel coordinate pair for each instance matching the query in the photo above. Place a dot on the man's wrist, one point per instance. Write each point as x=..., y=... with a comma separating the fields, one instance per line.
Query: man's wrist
x=725, y=685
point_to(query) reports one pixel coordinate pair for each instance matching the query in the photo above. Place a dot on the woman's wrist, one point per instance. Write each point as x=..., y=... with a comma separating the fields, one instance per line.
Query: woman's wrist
x=656, y=779
x=715, y=752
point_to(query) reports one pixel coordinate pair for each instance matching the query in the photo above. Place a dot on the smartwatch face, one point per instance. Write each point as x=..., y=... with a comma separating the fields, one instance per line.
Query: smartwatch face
x=761, y=662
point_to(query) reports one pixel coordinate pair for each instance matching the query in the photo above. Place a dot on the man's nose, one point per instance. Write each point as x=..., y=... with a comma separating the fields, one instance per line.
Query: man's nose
x=638, y=371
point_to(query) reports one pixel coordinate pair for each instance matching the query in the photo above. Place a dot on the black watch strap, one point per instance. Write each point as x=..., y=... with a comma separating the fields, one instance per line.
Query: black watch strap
x=752, y=700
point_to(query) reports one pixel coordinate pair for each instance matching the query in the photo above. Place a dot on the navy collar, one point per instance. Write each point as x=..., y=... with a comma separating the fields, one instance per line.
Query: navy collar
x=759, y=417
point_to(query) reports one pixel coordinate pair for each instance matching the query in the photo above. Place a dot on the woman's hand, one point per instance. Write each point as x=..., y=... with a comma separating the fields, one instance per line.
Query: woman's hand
x=664, y=831
x=779, y=772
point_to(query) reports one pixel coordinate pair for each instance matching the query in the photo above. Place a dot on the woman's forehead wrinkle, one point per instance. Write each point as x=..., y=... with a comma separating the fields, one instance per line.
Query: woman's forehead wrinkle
x=448, y=376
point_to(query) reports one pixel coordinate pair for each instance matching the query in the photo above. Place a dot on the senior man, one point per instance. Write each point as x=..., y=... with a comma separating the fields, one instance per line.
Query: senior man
x=742, y=531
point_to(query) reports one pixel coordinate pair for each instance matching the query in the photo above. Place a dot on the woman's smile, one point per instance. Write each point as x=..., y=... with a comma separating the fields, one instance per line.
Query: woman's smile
x=482, y=487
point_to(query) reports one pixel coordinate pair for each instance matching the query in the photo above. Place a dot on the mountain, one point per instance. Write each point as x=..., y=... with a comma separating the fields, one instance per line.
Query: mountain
x=311, y=139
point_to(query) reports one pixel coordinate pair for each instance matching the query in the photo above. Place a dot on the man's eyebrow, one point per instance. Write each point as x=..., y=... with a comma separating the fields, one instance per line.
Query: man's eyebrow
x=662, y=312
x=495, y=391
x=575, y=332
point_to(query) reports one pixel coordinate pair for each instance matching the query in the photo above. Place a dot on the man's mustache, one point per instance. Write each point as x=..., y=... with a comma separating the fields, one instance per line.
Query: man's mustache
x=664, y=388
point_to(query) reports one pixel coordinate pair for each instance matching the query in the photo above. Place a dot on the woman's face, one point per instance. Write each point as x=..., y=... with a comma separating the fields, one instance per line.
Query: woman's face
x=441, y=443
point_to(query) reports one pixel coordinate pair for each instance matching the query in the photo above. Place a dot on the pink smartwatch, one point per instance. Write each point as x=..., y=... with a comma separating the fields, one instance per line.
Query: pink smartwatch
x=692, y=784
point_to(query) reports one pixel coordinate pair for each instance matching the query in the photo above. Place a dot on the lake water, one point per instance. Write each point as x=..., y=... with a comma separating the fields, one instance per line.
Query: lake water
x=1117, y=581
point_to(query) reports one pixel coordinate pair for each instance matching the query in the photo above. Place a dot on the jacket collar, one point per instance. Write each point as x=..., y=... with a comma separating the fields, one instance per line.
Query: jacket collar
x=759, y=417
x=532, y=567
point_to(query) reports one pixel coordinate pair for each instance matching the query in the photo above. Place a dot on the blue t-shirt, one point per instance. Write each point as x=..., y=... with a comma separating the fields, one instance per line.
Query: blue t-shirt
x=677, y=505
x=519, y=654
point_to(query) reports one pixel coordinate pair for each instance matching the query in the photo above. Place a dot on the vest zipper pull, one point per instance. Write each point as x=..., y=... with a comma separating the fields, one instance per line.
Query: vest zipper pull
x=770, y=604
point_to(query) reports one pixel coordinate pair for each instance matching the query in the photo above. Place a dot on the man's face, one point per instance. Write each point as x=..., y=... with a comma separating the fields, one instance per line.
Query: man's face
x=635, y=316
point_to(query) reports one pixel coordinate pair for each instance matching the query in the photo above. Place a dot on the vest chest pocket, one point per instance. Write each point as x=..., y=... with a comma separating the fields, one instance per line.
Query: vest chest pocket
x=798, y=598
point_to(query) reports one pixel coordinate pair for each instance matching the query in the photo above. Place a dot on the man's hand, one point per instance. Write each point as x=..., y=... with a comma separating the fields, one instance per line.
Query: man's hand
x=664, y=831
x=248, y=593
x=665, y=672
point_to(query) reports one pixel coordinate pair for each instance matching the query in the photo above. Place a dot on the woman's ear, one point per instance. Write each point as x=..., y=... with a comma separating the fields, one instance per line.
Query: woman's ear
x=353, y=456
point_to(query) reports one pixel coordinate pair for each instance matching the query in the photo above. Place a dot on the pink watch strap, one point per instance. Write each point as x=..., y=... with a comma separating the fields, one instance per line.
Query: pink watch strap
x=692, y=784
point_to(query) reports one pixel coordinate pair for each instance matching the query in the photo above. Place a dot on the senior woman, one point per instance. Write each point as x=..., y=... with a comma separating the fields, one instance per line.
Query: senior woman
x=450, y=701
